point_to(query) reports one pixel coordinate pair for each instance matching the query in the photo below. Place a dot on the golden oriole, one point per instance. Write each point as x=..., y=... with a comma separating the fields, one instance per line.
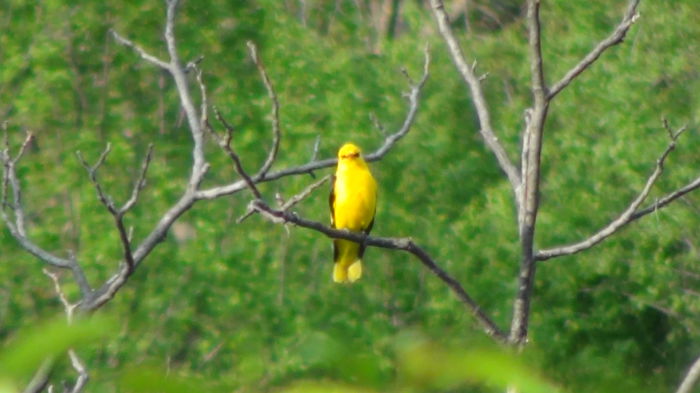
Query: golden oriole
x=353, y=202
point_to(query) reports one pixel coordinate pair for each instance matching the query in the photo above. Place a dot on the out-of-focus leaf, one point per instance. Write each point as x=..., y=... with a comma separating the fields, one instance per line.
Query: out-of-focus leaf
x=23, y=355
x=151, y=380
x=323, y=387
x=428, y=364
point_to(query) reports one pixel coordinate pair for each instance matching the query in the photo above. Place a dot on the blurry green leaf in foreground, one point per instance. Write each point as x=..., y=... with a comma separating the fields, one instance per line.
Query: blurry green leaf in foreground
x=151, y=380
x=323, y=387
x=7, y=387
x=23, y=355
x=426, y=364
x=345, y=360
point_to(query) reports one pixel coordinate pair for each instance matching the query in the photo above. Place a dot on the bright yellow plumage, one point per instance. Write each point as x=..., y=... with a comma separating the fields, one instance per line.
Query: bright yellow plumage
x=353, y=203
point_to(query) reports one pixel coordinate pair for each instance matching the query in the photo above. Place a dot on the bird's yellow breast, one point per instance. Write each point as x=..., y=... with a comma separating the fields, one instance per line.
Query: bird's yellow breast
x=355, y=196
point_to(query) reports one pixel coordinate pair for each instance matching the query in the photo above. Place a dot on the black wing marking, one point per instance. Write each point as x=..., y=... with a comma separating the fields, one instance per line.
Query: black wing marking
x=331, y=201
x=363, y=245
x=335, y=251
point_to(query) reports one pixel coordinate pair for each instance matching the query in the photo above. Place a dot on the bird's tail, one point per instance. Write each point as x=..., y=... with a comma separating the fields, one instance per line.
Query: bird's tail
x=347, y=273
x=348, y=265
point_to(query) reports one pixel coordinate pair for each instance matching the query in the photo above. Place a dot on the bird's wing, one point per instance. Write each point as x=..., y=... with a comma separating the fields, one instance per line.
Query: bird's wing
x=366, y=231
x=331, y=201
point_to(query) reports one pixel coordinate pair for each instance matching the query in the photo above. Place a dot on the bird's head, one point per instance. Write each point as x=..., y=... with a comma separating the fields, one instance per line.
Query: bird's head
x=349, y=151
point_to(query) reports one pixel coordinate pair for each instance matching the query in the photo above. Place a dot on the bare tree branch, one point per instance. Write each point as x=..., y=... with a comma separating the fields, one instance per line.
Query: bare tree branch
x=276, y=133
x=631, y=213
x=80, y=368
x=293, y=201
x=203, y=93
x=92, y=174
x=667, y=199
x=690, y=378
x=17, y=225
x=107, y=291
x=225, y=143
x=140, y=181
x=388, y=144
x=474, y=84
x=93, y=299
x=413, y=96
x=10, y=178
x=617, y=36
x=404, y=244
x=41, y=378
x=140, y=51
x=199, y=168
x=69, y=309
x=531, y=163
x=119, y=212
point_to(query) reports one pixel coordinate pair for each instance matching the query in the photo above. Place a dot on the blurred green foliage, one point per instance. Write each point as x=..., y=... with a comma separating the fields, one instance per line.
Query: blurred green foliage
x=47, y=340
x=251, y=307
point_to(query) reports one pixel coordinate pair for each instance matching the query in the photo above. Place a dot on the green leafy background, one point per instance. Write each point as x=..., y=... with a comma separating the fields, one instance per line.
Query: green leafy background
x=251, y=306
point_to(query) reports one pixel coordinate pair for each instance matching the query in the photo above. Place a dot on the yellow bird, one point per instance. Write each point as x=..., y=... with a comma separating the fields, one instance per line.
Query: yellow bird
x=353, y=202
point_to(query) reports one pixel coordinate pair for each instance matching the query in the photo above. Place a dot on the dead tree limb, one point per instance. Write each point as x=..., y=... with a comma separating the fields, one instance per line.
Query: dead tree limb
x=525, y=180
x=530, y=173
x=76, y=362
x=616, y=37
x=135, y=252
x=631, y=213
x=403, y=244
x=474, y=84
x=691, y=378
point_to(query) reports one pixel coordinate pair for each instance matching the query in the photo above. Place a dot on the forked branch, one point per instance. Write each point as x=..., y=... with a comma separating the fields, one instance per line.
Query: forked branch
x=70, y=308
x=616, y=37
x=632, y=212
x=403, y=244
x=15, y=221
x=389, y=142
x=119, y=212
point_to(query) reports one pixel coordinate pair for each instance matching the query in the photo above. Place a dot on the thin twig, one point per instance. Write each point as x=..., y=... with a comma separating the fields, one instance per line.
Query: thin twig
x=478, y=98
x=92, y=174
x=140, y=51
x=225, y=143
x=617, y=36
x=377, y=124
x=16, y=225
x=204, y=115
x=413, y=98
x=69, y=309
x=276, y=133
x=293, y=201
x=80, y=368
x=119, y=212
x=140, y=182
x=317, y=145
